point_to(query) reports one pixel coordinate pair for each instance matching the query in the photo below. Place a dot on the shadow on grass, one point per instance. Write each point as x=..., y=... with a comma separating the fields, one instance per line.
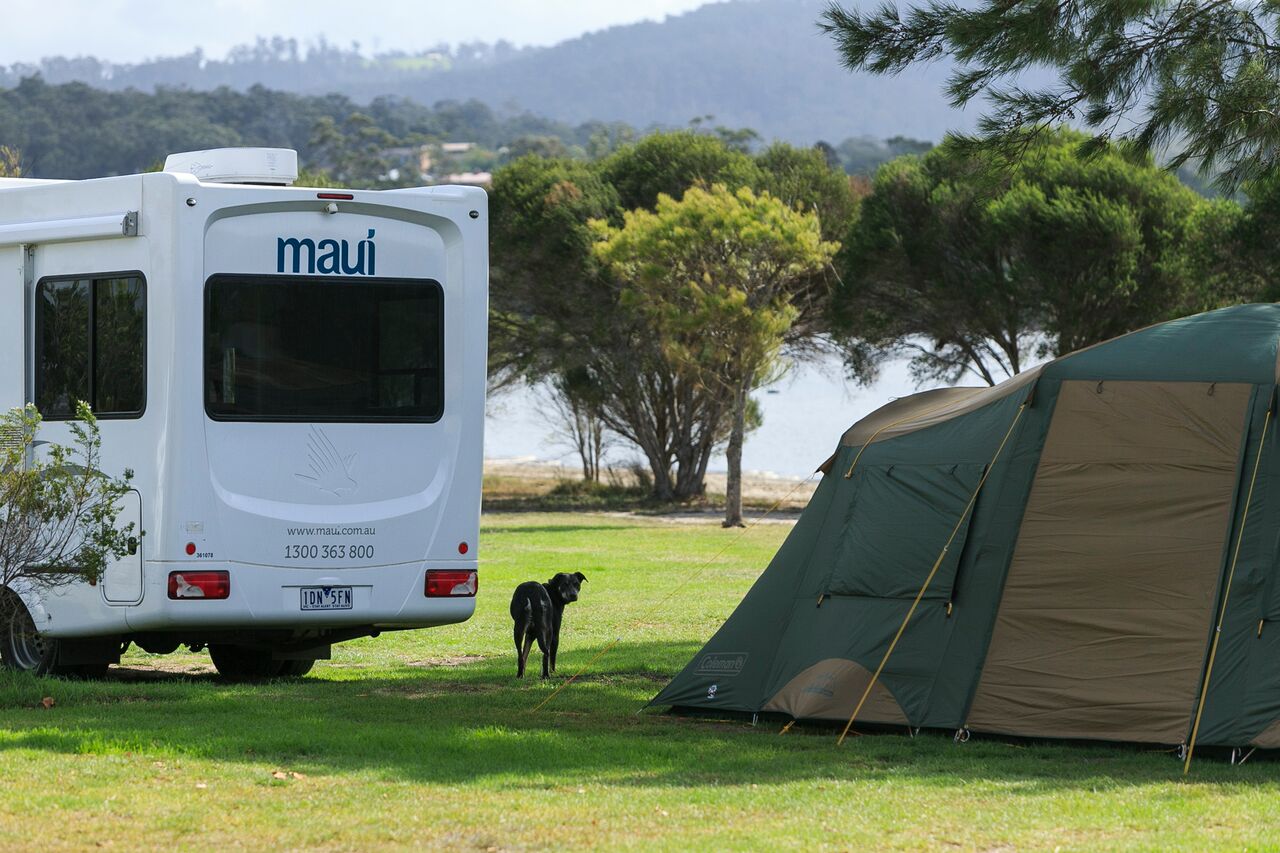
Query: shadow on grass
x=476, y=723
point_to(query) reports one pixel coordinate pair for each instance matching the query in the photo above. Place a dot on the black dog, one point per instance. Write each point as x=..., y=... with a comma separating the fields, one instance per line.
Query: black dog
x=537, y=609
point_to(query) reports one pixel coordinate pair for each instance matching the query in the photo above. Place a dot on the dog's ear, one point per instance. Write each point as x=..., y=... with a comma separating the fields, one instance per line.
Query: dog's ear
x=553, y=579
x=580, y=576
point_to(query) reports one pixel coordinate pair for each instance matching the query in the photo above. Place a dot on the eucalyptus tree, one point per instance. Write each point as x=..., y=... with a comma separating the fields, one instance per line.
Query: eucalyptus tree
x=1196, y=79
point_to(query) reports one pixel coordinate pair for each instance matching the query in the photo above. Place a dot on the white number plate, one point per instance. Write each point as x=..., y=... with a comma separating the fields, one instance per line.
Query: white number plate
x=326, y=597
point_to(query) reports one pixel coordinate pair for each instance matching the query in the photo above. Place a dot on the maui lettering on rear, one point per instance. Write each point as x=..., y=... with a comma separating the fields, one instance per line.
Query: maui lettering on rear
x=326, y=257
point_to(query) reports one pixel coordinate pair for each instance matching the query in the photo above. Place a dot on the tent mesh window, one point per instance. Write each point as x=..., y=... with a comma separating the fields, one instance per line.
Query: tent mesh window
x=898, y=522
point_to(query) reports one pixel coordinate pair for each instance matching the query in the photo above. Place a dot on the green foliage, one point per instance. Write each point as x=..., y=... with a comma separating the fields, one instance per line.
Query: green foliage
x=863, y=155
x=539, y=146
x=133, y=130
x=1201, y=77
x=543, y=288
x=1242, y=248
x=57, y=509
x=10, y=162
x=707, y=276
x=616, y=343
x=708, y=281
x=355, y=152
x=968, y=266
x=670, y=163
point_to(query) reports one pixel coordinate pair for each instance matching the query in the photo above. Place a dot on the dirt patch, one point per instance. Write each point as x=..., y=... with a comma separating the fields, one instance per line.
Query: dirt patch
x=448, y=660
x=419, y=693
x=509, y=481
x=712, y=516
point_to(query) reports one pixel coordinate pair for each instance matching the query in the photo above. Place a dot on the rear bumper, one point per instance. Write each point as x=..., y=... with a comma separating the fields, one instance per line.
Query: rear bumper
x=270, y=597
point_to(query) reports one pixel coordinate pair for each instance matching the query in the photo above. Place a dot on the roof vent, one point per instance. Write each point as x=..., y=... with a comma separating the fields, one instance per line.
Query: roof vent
x=272, y=166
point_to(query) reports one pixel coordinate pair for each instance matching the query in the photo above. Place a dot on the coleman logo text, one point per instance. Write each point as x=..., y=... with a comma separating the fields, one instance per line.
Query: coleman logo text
x=327, y=257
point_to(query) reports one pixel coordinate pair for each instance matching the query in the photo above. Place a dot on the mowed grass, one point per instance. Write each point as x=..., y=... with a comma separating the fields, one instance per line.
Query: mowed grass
x=426, y=739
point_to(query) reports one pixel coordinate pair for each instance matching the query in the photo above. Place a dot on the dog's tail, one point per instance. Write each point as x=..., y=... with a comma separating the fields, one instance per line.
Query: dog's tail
x=522, y=608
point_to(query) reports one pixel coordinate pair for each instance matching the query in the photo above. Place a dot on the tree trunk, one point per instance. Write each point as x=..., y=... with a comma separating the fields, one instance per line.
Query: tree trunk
x=597, y=447
x=733, y=454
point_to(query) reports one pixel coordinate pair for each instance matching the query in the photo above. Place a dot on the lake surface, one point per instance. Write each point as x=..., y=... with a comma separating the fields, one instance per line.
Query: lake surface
x=805, y=414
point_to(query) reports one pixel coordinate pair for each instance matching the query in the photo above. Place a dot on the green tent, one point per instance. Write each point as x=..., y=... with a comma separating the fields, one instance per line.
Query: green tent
x=1074, y=537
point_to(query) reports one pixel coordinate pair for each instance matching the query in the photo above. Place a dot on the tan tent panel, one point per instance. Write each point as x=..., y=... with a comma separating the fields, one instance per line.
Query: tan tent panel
x=1268, y=738
x=830, y=689
x=1102, y=625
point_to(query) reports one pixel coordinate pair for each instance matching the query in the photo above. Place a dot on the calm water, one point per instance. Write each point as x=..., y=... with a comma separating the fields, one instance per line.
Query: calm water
x=804, y=415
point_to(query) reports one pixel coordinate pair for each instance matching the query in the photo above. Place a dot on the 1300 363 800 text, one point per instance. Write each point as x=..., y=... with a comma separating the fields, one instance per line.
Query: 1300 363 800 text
x=330, y=551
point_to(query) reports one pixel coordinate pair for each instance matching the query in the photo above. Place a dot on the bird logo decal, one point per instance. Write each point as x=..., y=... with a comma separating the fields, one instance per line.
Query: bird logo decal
x=330, y=471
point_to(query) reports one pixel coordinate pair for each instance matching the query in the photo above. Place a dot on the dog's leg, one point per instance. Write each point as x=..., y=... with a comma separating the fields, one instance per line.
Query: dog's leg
x=554, y=637
x=520, y=653
x=546, y=657
x=524, y=653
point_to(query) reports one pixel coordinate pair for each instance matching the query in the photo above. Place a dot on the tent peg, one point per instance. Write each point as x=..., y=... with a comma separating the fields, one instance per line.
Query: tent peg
x=962, y=736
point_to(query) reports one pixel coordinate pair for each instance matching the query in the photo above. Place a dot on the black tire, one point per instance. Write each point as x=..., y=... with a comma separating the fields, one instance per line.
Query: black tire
x=22, y=647
x=296, y=668
x=245, y=663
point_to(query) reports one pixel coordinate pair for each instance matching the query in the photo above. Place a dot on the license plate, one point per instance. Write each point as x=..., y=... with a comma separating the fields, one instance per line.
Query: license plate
x=326, y=597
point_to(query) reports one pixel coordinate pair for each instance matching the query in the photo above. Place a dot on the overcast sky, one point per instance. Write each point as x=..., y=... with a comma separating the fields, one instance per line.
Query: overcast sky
x=131, y=30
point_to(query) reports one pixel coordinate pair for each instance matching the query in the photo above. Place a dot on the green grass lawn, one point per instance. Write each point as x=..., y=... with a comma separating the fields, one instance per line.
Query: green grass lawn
x=427, y=739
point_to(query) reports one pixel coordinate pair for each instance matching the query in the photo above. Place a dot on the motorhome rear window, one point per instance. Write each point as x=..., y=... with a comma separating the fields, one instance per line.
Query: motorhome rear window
x=91, y=345
x=307, y=348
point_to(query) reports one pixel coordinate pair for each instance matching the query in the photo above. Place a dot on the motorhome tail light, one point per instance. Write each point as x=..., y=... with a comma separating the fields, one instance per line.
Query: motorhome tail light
x=442, y=583
x=202, y=584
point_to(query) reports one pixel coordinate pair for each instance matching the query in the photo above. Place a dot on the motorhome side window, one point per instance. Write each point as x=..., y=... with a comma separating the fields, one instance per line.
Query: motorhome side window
x=290, y=348
x=91, y=346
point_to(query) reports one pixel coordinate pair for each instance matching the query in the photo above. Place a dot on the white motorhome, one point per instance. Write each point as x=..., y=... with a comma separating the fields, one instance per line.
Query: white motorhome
x=296, y=376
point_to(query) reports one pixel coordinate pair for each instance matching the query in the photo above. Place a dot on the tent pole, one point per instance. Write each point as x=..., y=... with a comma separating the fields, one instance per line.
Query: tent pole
x=928, y=580
x=1226, y=593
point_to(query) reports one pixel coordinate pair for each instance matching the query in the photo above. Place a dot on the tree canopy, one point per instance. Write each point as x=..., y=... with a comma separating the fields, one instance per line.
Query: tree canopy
x=1197, y=80
x=971, y=268
x=599, y=330
x=709, y=277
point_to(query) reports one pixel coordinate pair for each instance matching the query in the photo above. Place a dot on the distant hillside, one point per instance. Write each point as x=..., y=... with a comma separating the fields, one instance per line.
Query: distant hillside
x=750, y=63
x=758, y=64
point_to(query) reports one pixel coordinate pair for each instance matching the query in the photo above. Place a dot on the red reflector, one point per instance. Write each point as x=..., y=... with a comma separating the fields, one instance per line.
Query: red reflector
x=191, y=549
x=335, y=196
x=463, y=547
x=442, y=583
x=202, y=584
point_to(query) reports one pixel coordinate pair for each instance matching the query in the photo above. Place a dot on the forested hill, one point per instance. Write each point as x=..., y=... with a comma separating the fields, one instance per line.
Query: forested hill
x=761, y=64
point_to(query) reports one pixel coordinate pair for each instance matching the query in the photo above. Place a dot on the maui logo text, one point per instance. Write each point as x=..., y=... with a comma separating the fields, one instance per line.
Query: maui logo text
x=328, y=257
